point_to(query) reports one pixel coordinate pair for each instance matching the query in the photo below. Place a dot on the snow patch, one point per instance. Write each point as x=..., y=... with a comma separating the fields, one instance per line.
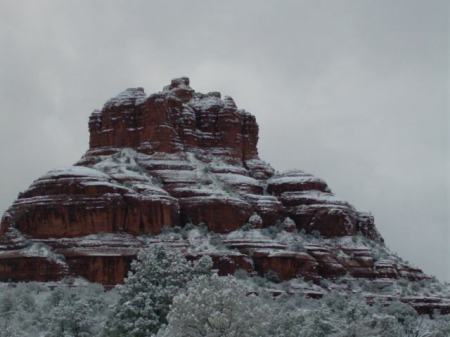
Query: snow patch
x=128, y=97
x=75, y=171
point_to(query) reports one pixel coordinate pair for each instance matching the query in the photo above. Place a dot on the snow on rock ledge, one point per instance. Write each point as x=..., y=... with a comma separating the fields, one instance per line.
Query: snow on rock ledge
x=128, y=97
x=183, y=158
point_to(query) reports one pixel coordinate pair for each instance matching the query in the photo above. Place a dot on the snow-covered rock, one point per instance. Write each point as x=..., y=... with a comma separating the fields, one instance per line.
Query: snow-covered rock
x=181, y=168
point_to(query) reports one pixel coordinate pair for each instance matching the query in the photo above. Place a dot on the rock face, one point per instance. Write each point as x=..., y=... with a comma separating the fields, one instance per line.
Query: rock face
x=183, y=159
x=172, y=158
x=175, y=120
x=81, y=201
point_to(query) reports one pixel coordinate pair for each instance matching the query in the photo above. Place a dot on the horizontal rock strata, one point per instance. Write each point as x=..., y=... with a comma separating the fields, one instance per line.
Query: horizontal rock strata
x=175, y=159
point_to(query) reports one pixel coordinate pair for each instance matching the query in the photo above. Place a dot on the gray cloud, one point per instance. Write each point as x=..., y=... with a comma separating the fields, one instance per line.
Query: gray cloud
x=353, y=91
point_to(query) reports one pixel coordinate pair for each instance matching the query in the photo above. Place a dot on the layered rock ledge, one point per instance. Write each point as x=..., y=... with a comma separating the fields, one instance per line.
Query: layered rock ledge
x=175, y=159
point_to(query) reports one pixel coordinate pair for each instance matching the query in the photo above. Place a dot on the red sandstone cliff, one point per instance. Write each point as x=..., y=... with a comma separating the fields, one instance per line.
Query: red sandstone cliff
x=181, y=157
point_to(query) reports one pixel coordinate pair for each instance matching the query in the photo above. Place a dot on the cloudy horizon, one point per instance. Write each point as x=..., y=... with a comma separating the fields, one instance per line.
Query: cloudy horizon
x=355, y=92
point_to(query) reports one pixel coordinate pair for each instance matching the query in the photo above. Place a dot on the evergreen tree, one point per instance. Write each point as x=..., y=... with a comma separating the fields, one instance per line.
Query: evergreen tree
x=72, y=318
x=217, y=307
x=74, y=312
x=158, y=274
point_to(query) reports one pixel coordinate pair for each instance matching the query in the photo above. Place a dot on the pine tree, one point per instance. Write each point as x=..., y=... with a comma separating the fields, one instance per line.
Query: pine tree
x=158, y=274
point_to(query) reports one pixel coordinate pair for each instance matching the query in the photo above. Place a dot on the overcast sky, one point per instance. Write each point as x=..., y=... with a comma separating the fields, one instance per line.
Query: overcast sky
x=355, y=92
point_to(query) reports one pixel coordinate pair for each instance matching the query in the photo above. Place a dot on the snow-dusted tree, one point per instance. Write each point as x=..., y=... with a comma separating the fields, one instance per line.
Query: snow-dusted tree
x=8, y=309
x=318, y=324
x=255, y=221
x=373, y=325
x=72, y=318
x=74, y=312
x=158, y=274
x=411, y=324
x=284, y=322
x=30, y=310
x=217, y=307
x=9, y=331
x=7, y=304
x=441, y=327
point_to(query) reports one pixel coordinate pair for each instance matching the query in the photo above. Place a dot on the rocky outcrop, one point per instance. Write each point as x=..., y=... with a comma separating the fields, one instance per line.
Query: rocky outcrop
x=175, y=159
x=257, y=256
x=16, y=267
x=172, y=158
x=81, y=201
x=309, y=202
x=176, y=119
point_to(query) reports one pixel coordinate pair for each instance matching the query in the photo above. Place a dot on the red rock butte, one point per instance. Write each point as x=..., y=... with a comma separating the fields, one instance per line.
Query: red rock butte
x=183, y=159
